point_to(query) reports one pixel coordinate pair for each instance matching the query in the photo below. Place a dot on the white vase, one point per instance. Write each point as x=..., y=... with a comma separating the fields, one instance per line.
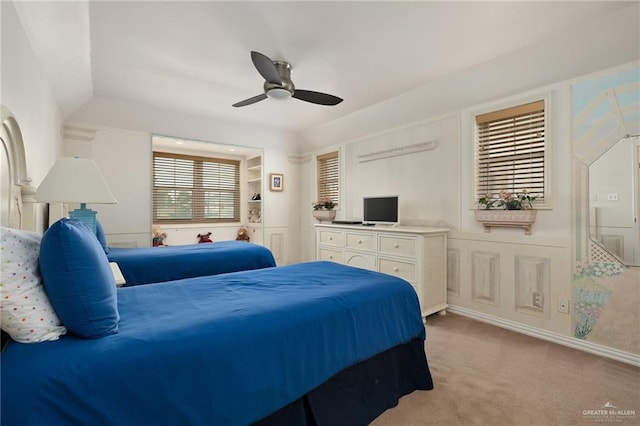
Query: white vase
x=324, y=215
x=506, y=218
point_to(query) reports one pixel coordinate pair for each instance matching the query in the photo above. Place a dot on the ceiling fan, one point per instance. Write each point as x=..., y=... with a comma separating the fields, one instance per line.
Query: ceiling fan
x=278, y=84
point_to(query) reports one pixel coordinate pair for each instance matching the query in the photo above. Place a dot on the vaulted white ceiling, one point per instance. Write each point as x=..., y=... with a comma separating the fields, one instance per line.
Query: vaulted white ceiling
x=195, y=56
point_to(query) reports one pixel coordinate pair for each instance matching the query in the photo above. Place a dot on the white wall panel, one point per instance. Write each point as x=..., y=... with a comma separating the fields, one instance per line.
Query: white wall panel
x=453, y=272
x=532, y=280
x=485, y=277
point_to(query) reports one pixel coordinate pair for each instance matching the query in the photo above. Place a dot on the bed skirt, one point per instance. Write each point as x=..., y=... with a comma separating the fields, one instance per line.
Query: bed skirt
x=359, y=394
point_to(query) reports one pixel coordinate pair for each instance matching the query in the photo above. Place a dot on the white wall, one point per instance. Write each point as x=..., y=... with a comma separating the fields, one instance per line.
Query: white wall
x=605, y=42
x=491, y=276
x=124, y=131
x=24, y=90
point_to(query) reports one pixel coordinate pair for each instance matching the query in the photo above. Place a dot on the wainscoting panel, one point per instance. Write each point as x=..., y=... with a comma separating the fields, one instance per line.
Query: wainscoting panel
x=453, y=271
x=517, y=278
x=532, y=281
x=613, y=243
x=277, y=240
x=276, y=243
x=485, y=275
x=129, y=240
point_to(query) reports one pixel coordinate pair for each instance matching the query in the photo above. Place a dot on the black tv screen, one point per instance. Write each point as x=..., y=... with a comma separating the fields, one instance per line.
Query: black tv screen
x=381, y=209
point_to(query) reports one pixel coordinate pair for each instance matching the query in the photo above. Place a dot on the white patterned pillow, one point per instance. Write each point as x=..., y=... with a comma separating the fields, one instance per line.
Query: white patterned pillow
x=27, y=314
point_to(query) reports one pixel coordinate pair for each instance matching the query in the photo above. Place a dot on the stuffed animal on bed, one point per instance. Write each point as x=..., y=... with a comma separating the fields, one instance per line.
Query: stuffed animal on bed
x=204, y=238
x=158, y=236
x=242, y=235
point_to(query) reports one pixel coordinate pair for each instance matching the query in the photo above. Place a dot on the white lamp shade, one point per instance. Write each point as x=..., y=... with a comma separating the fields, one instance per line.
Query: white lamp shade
x=75, y=180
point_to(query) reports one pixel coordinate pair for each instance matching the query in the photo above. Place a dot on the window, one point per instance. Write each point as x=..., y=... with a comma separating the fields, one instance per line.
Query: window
x=189, y=189
x=329, y=177
x=510, y=151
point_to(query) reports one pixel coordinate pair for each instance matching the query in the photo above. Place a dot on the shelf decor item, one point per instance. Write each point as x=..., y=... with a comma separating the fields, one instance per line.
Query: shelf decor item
x=323, y=210
x=324, y=215
x=507, y=210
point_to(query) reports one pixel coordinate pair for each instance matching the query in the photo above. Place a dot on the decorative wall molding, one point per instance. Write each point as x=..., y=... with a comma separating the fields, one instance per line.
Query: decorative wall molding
x=395, y=152
x=532, y=285
x=299, y=159
x=453, y=271
x=485, y=276
x=572, y=342
x=81, y=134
x=276, y=245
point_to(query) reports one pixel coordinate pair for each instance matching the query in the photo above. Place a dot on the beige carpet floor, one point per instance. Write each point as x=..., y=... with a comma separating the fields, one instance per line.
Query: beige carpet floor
x=486, y=375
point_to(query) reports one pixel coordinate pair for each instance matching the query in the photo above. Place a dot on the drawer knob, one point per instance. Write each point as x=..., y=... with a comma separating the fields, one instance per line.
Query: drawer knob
x=331, y=257
x=359, y=241
x=396, y=269
x=330, y=238
x=396, y=245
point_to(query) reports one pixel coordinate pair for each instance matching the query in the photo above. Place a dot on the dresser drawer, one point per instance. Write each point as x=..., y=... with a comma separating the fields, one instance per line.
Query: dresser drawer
x=399, y=246
x=404, y=270
x=331, y=255
x=331, y=238
x=361, y=242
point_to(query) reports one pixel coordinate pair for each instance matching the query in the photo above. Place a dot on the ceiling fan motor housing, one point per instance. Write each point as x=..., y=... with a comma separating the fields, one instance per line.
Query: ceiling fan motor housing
x=284, y=90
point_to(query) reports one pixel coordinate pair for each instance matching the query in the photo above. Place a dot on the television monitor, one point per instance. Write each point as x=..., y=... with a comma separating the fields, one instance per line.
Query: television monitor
x=383, y=210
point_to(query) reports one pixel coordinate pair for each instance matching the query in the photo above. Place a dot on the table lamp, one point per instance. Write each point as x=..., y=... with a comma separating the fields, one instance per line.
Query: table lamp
x=76, y=180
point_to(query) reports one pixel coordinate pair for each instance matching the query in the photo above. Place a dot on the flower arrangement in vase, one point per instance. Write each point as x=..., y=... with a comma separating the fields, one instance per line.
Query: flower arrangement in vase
x=325, y=204
x=323, y=209
x=508, y=210
x=508, y=201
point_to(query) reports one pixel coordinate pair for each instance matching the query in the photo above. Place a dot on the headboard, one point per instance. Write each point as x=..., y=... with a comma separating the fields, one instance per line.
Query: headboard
x=18, y=208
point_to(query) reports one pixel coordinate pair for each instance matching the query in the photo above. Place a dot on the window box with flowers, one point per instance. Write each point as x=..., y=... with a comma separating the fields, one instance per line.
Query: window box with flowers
x=507, y=210
x=323, y=210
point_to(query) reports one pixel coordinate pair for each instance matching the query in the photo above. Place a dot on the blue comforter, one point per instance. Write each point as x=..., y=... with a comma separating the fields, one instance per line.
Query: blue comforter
x=192, y=353
x=167, y=263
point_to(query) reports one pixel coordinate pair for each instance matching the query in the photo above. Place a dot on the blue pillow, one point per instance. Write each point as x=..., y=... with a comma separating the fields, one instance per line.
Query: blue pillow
x=101, y=237
x=77, y=278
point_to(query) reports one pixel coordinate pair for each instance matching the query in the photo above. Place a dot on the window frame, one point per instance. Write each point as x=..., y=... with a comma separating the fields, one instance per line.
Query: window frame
x=198, y=210
x=546, y=97
x=319, y=194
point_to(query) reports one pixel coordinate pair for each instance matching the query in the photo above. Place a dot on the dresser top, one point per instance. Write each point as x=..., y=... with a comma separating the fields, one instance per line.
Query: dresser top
x=385, y=228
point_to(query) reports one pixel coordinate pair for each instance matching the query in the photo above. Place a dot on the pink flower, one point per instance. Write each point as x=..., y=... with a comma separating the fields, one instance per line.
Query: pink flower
x=506, y=196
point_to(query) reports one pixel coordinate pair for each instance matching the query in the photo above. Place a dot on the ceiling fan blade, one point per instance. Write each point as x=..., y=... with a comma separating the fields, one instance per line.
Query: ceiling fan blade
x=316, y=97
x=265, y=67
x=250, y=101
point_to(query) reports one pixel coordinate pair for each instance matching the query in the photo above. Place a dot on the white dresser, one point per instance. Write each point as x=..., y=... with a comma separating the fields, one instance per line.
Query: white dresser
x=416, y=254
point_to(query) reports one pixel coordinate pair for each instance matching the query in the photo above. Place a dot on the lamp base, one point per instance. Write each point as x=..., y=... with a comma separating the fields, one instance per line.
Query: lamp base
x=85, y=215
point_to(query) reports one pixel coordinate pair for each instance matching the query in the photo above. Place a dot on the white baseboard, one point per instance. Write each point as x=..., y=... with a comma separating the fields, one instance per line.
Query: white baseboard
x=572, y=342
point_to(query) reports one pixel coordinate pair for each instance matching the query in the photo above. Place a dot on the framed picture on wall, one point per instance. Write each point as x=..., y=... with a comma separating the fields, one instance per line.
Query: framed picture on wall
x=276, y=182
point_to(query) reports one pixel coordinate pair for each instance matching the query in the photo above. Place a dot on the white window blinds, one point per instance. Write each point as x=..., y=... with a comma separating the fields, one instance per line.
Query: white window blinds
x=328, y=166
x=189, y=189
x=510, y=151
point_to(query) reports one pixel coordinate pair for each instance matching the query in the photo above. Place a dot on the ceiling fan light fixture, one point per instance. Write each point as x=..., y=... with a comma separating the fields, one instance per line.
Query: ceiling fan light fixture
x=279, y=93
x=278, y=84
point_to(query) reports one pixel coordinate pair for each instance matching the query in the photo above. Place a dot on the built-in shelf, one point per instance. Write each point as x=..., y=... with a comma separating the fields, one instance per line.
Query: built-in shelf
x=254, y=186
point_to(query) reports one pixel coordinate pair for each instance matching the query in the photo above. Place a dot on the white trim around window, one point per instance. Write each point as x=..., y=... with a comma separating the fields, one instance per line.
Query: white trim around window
x=548, y=131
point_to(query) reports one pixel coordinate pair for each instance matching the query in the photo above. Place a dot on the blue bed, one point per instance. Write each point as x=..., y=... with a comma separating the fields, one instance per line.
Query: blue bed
x=167, y=263
x=230, y=349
